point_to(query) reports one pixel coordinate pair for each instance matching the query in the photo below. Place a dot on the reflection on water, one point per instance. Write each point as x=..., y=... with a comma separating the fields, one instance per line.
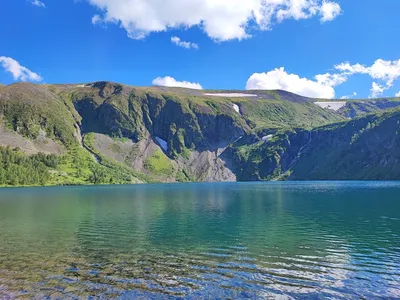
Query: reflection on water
x=338, y=240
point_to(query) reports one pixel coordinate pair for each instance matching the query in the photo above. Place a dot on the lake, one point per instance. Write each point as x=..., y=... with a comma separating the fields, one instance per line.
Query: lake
x=196, y=241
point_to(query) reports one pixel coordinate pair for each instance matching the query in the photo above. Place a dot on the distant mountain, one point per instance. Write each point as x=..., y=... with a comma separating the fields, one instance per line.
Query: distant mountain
x=108, y=133
x=366, y=148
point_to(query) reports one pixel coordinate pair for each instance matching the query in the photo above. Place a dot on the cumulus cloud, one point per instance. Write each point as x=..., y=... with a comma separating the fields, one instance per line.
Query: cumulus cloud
x=331, y=79
x=352, y=69
x=398, y=94
x=322, y=87
x=19, y=72
x=377, y=90
x=171, y=82
x=385, y=70
x=329, y=11
x=221, y=20
x=177, y=41
x=37, y=3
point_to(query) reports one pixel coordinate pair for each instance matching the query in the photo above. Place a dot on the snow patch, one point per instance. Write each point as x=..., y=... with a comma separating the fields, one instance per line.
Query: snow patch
x=336, y=105
x=232, y=95
x=267, y=137
x=163, y=144
x=236, y=108
x=80, y=85
x=239, y=138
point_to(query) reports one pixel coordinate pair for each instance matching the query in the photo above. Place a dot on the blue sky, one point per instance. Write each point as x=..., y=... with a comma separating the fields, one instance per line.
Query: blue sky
x=240, y=44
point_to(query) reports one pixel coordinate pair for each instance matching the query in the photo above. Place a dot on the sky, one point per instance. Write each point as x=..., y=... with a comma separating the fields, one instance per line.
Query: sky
x=316, y=48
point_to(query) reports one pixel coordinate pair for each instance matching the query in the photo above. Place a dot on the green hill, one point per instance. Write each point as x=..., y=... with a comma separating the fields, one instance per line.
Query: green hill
x=108, y=133
x=355, y=108
x=360, y=149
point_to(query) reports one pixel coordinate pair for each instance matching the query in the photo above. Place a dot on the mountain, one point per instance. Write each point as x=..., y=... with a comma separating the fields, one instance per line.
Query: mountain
x=108, y=133
x=365, y=148
x=356, y=108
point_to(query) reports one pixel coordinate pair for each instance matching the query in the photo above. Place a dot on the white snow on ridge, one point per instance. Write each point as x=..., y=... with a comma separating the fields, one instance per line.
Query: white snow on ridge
x=232, y=95
x=236, y=108
x=162, y=143
x=240, y=137
x=334, y=105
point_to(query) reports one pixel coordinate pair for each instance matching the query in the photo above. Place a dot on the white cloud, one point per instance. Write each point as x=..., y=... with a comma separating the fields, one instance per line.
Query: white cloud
x=37, y=3
x=331, y=79
x=297, y=10
x=385, y=70
x=349, y=96
x=352, y=69
x=177, y=41
x=329, y=11
x=280, y=79
x=377, y=90
x=171, y=82
x=221, y=20
x=96, y=19
x=398, y=94
x=19, y=72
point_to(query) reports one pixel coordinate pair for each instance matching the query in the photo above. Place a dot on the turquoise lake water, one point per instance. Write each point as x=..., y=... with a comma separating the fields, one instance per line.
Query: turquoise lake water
x=201, y=241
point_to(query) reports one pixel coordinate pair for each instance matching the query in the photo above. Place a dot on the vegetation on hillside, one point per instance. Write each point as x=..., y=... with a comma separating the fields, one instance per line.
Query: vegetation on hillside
x=304, y=140
x=364, y=148
x=159, y=164
x=357, y=108
x=106, y=169
x=27, y=108
x=19, y=169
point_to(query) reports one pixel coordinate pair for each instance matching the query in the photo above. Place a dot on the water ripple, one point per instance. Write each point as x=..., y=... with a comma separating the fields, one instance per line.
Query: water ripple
x=233, y=241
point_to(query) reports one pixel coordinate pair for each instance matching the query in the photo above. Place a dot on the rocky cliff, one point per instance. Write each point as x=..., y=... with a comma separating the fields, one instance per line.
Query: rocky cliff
x=105, y=132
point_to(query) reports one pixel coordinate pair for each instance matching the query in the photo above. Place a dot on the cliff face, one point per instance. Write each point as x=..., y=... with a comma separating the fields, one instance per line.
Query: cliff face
x=366, y=148
x=361, y=149
x=137, y=114
x=110, y=133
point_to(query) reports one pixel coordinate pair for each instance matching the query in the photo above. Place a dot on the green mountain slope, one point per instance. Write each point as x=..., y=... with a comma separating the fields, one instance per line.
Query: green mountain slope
x=202, y=121
x=27, y=109
x=364, y=148
x=33, y=114
x=356, y=108
x=108, y=133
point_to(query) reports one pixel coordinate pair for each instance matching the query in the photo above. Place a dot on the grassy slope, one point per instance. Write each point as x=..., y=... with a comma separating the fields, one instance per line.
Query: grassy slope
x=363, y=148
x=356, y=108
x=27, y=108
x=186, y=119
x=115, y=172
x=359, y=107
x=277, y=112
x=138, y=109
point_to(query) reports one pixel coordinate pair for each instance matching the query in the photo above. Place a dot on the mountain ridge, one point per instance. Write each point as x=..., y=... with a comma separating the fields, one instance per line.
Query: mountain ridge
x=105, y=132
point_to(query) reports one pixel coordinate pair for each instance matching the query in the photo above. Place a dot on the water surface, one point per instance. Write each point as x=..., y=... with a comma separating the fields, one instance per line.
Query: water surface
x=238, y=240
